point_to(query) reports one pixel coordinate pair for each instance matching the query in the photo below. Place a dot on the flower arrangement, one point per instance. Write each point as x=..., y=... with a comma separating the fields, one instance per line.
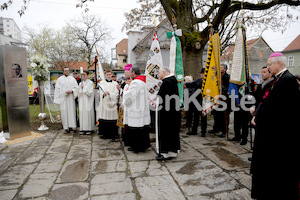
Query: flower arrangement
x=39, y=67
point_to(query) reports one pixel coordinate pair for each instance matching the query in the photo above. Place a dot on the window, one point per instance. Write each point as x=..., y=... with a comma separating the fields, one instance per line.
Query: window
x=261, y=54
x=290, y=61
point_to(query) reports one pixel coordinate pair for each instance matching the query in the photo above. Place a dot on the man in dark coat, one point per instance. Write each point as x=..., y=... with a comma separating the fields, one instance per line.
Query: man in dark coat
x=193, y=111
x=221, y=118
x=275, y=160
x=168, y=116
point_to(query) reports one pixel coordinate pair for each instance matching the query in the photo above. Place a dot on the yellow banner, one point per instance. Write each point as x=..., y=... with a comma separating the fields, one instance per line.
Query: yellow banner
x=30, y=85
x=212, y=76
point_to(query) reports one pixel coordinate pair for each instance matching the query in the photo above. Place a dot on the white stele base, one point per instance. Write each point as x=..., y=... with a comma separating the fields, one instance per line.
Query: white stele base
x=43, y=127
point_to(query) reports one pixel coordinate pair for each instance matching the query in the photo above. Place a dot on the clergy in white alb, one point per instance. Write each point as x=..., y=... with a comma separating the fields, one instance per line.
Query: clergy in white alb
x=137, y=112
x=108, y=113
x=86, y=104
x=66, y=90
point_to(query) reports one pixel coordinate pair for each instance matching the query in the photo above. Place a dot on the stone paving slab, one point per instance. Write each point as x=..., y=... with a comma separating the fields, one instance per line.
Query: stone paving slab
x=188, y=153
x=38, y=185
x=241, y=194
x=107, y=155
x=32, y=154
x=2, y=146
x=205, y=184
x=60, y=146
x=147, y=168
x=127, y=196
x=16, y=148
x=74, y=171
x=149, y=154
x=109, y=166
x=79, y=152
x=44, y=141
x=8, y=194
x=6, y=159
x=107, y=145
x=110, y=183
x=224, y=158
x=108, y=178
x=158, y=187
x=72, y=191
x=192, y=168
x=51, y=163
x=15, y=176
x=243, y=177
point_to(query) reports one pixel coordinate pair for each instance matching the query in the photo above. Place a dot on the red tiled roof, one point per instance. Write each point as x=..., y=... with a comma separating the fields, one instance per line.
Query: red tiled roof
x=294, y=45
x=228, y=52
x=121, y=46
x=73, y=65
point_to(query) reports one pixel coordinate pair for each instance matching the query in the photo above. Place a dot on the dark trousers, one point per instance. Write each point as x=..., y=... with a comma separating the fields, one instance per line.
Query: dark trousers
x=108, y=128
x=220, y=119
x=126, y=136
x=139, y=139
x=76, y=108
x=194, y=115
x=241, y=121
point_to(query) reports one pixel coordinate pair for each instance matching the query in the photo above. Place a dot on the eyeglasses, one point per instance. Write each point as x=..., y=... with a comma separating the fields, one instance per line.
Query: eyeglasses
x=269, y=64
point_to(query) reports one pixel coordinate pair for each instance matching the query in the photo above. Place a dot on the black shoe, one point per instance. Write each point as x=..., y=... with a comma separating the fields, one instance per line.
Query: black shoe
x=116, y=139
x=212, y=131
x=191, y=133
x=222, y=135
x=250, y=159
x=161, y=158
x=126, y=144
x=243, y=142
x=235, y=139
x=202, y=134
x=67, y=131
x=104, y=137
x=130, y=149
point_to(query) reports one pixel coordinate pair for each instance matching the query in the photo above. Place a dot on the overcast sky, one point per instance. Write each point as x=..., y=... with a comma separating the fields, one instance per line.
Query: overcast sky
x=57, y=12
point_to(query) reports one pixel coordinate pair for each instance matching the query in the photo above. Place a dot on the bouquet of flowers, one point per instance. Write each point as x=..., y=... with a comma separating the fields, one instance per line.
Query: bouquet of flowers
x=39, y=67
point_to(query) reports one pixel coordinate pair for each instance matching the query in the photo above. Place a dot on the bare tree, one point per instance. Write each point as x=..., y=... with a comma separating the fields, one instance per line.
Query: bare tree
x=6, y=3
x=90, y=31
x=39, y=42
x=60, y=46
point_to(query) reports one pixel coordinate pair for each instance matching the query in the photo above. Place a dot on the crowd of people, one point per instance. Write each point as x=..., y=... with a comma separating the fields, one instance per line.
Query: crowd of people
x=274, y=117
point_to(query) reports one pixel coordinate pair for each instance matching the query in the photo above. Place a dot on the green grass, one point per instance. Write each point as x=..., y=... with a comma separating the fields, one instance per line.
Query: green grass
x=34, y=110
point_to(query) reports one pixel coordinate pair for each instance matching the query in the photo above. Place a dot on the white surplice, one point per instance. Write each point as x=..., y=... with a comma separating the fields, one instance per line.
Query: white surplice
x=66, y=101
x=136, y=104
x=108, y=104
x=86, y=105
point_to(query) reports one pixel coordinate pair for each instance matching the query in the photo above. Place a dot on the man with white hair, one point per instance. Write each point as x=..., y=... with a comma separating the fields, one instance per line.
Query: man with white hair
x=277, y=141
x=168, y=116
x=136, y=112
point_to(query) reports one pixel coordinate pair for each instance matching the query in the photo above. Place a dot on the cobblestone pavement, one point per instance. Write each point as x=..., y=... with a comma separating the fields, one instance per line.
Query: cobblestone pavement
x=70, y=166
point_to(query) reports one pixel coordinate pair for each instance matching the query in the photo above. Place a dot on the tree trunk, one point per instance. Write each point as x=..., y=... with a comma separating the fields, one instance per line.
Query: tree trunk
x=192, y=62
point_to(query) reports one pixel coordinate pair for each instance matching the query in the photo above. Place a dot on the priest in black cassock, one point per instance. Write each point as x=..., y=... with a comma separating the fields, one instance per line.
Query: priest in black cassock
x=168, y=116
x=275, y=161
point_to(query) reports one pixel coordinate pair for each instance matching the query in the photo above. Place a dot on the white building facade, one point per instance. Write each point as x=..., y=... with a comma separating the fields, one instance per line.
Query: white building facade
x=8, y=27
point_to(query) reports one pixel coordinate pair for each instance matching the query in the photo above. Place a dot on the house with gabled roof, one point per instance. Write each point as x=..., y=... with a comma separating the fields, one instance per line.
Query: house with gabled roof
x=139, y=43
x=292, y=53
x=258, y=51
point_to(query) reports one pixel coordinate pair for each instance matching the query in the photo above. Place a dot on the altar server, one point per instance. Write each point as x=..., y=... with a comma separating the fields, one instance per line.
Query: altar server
x=86, y=104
